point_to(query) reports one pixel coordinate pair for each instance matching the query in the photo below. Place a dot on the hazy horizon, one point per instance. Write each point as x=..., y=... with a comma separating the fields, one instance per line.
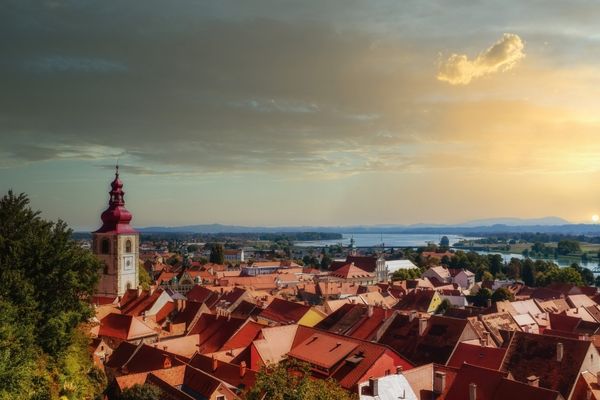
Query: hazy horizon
x=316, y=113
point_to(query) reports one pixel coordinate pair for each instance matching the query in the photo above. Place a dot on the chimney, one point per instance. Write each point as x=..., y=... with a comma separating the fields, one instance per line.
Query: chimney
x=214, y=363
x=485, y=340
x=374, y=386
x=439, y=382
x=242, y=369
x=399, y=370
x=144, y=316
x=533, y=381
x=472, y=391
x=422, y=326
x=369, y=310
x=559, y=351
x=412, y=315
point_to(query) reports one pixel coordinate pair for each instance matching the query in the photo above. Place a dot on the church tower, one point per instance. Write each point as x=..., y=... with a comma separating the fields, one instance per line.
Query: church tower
x=116, y=244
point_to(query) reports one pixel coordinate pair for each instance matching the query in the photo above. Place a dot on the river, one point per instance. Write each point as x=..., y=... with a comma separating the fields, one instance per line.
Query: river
x=418, y=240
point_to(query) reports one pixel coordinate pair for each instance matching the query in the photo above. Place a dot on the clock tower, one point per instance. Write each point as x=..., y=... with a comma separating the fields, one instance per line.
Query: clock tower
x=116, y=244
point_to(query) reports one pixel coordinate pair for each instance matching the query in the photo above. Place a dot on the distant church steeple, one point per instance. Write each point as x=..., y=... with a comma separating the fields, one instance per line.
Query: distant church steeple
x=116, y=245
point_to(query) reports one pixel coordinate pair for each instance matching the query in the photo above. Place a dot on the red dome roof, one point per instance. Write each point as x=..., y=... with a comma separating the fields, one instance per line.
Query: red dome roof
x=116, y=218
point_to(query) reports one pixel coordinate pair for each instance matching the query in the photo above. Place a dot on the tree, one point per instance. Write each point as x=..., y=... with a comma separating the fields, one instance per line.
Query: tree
x=145, y=280
x=325, y=261
x=496, y=263
x=482, y=297
x=502, y=294
x=528, y=272
x=405, y=274
x=565, y=247
x=444, y=242
x=216, y=254
x=141, y=392
x=291, y=380
x=487, y=276
x=47, y=284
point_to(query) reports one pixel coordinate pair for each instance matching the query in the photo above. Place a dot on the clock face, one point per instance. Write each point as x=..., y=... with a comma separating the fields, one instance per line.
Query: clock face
x=127, y=264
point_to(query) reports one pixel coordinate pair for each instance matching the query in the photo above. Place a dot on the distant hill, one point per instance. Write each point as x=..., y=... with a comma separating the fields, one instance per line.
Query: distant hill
x=492, y=225
x=516, y=221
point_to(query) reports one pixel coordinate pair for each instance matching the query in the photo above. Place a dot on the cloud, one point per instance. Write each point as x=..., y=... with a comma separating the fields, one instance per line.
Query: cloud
x=501, y=56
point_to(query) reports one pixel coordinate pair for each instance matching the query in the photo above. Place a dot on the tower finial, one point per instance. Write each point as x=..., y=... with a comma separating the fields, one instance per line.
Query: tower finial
x=117, y=168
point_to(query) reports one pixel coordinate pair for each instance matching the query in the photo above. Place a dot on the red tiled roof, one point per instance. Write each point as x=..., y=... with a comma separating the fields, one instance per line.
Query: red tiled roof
x=348, y=369
x=244, y=336
x=124, y=327
x=226, y=372
x=366, y=263
x=530, y=354
x=486, y=357
x=142, y=358
x=351, y=271
x=417, y=300
x=189, y=312
x=201, y=294
x=284, y=312
x=493, y=385
x=354, y=320
x=214, y=331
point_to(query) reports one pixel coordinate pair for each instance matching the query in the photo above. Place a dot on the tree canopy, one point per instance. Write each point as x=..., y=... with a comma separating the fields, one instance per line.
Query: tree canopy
x=291, y=380
x=216, y=254
x=47, y=284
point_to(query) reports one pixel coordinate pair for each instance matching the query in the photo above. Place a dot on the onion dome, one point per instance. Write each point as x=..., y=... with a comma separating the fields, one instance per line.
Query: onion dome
x=116, y=218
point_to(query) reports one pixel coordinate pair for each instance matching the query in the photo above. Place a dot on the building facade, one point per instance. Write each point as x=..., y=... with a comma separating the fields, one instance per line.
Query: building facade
x=116, y=244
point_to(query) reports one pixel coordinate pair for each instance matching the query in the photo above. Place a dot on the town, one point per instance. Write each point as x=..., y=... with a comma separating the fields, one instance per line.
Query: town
x=378, y=328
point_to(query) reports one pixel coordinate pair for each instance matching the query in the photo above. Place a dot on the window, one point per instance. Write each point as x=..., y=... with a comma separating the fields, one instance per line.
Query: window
x=105, y=246
x=128, y=246
x=221, y=397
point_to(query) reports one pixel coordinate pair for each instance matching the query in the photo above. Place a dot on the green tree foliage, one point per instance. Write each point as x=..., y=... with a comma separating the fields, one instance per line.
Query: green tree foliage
x=325, y=261
x=145, y=280
x=47, y=283
x=404, y=274
x=502, y=294
x=565, y=247
x=141, y=392
x=482, y=297
x=487, y=276
x=291, y=380
x=528, y=272
x=496, y=263
x=216, y=254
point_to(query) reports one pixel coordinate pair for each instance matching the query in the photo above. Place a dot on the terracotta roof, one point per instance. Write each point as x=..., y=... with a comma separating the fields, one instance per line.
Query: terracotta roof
x=494, y=323
x=486, y=357
x=142, y=358
x=493, y=385
x=530, y=354
x=244, y=336
x=417, y=300
x=284, y=312
x=354, y=320
x=201, y=294
x=332, y=288
x=351, y=271
x=189, y=313
x=227, y=372
x=124, y=327
x=214, y=331
x=346, y=360
x=366, y=263
x=436, y=344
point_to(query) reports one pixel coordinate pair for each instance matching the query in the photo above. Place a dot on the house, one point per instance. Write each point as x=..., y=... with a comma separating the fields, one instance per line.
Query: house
x=283, y=312
x=556, y=361
x=477, y=383
x=117, y=328
x=237, y=376
x=440, y=274
x=352, y=273
x=371, y=264
x=587, y=387
x=422, y=340
x=347, y=360
x=498, y=323
x=233, y=256
x=424, y=301
x=480, y=356
x=464, y=278
x=356, y=320
x=272, y=345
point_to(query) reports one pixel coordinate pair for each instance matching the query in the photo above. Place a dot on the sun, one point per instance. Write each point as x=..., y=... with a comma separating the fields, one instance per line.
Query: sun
x=595, y=218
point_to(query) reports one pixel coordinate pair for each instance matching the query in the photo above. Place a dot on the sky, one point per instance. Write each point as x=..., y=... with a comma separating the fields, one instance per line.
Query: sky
x=274, y=112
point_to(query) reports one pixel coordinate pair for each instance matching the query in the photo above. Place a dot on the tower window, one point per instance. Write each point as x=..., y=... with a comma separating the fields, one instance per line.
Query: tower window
x=128, y=246
x=105, y=246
